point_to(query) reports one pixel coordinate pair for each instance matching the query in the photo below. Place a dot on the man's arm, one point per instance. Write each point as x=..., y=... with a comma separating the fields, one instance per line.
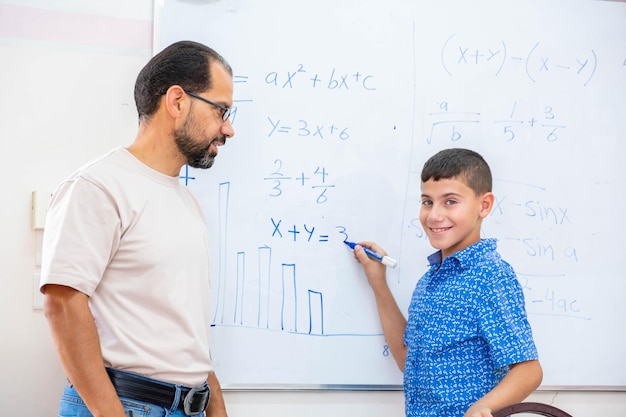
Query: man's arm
x=519, y=383
x=76, y=338
x=216, y=406
x=391, y=318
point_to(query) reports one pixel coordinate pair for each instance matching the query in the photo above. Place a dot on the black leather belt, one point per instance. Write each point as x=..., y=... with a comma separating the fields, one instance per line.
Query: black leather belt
x=191, y=400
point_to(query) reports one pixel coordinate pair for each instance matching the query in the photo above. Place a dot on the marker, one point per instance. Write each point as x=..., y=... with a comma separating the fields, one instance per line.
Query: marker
x=385, y=260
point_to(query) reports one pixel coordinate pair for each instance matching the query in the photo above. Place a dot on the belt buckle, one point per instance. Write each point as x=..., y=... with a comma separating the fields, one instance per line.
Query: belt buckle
x=202, y=390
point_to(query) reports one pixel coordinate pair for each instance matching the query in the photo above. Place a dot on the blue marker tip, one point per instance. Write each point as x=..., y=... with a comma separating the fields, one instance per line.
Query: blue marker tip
x=385, y=260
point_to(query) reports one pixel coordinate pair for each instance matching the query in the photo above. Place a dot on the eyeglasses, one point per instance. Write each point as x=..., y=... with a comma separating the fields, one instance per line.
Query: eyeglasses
x=225, y=111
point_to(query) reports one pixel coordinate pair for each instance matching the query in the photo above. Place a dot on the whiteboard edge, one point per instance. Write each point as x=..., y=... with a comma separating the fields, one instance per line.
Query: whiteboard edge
x=157, y=22
x=604, y=388
x=309, y=387
x=348, y=387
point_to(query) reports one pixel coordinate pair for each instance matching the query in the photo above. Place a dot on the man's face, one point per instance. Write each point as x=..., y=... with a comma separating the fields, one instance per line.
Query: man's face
x=204, y=128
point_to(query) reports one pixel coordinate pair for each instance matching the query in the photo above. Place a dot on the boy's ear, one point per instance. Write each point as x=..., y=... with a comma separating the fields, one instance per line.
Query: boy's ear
x=486, y=204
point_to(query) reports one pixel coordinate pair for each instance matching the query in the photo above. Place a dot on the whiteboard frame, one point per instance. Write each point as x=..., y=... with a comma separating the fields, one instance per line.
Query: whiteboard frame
x=391, y=388
x=157, y=17
x=308, y=387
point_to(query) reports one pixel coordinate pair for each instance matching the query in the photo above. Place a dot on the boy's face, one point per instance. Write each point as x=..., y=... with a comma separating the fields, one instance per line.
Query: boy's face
x=451, y=214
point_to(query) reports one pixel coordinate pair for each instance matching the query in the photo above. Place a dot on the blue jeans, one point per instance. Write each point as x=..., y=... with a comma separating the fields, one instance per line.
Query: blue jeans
x=73, y=406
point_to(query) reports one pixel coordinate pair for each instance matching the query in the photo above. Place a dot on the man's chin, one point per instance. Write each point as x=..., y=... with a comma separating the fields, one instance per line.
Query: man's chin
x=204, y=163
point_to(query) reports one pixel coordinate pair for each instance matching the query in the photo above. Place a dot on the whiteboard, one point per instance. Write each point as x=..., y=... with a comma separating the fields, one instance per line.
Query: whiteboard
x=337, y=107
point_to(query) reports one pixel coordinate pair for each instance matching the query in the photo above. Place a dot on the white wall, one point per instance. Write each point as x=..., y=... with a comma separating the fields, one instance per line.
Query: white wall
x=66, y=96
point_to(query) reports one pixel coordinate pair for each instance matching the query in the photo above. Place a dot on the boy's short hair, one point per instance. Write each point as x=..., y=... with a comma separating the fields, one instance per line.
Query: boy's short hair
x=463, y=164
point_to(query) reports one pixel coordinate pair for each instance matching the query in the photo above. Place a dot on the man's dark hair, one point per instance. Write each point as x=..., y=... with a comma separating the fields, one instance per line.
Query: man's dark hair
x=463, y=164
x=184, y=63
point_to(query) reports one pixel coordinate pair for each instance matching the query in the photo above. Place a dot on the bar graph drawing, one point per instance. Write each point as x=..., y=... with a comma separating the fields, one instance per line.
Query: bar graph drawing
x=257, y=298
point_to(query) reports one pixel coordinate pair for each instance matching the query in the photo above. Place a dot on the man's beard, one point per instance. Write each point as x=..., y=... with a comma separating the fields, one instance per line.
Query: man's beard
x=197, y=154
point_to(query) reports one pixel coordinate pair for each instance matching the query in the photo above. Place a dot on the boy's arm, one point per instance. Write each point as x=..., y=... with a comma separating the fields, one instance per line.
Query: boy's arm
x=519, y=383
x=391, y=318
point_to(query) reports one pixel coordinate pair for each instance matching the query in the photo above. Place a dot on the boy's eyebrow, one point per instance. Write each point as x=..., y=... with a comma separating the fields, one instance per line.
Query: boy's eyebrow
x=446, y=195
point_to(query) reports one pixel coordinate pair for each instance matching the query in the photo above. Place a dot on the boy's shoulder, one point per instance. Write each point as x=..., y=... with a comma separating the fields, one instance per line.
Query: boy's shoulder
x=485, y=248
x=484, y=256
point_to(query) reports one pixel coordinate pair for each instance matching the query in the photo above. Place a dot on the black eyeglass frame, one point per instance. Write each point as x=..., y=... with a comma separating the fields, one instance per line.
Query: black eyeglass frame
x=226, y=111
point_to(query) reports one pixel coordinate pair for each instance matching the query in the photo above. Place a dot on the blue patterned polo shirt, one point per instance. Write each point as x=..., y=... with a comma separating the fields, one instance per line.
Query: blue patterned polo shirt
x=467, y=322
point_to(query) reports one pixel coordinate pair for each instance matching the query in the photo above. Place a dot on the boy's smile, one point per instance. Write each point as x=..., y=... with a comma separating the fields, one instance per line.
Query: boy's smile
x=451, y=214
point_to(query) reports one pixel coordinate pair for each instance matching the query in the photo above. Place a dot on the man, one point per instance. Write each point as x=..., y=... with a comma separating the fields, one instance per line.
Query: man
x=125, y=268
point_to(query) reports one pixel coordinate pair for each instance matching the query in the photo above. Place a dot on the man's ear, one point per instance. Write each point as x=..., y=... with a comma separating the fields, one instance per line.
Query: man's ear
x=175, y=101
x=486, y=204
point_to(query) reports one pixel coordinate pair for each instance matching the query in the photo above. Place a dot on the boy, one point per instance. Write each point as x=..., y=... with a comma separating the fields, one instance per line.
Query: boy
x=467, y=348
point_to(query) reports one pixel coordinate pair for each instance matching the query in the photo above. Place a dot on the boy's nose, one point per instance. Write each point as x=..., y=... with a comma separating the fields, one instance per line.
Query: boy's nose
x=435, y=213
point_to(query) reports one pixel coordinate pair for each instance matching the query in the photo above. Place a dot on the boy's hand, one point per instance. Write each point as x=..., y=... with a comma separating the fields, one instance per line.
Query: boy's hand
x=374, y=270
x=478, y=410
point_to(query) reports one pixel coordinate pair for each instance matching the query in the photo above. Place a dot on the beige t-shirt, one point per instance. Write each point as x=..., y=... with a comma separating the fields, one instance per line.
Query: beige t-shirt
x=135, y=241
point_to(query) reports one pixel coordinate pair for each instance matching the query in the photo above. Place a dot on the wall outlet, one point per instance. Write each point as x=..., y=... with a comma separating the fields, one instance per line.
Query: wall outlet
x=40, y=203
x=37, y=295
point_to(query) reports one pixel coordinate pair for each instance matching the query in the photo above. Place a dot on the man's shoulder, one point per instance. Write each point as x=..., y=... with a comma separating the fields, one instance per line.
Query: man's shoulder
x=101, y=163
